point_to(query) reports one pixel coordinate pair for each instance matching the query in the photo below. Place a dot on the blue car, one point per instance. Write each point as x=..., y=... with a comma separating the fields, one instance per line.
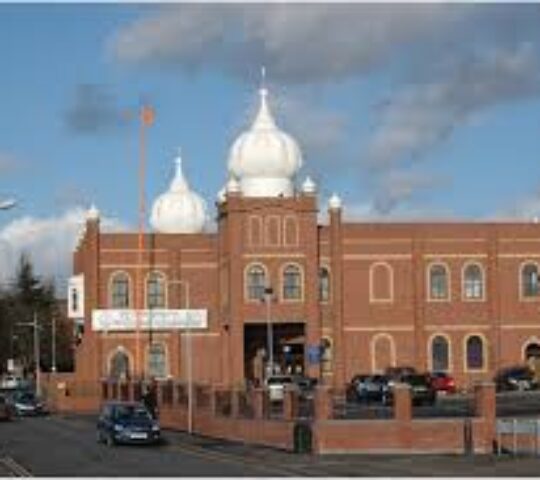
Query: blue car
x=126, y=423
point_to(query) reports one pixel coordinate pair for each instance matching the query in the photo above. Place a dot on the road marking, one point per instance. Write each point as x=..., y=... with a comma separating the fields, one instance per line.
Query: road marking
x=14, y=468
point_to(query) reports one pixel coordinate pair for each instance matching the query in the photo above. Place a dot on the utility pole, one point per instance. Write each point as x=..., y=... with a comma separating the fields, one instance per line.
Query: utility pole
x=35, y=326
x=268, y=292
x=53, y=344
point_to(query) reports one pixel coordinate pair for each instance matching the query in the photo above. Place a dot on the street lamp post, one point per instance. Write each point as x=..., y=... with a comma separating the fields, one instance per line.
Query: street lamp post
x=267, y=297
x=189, y=354
x=53, y=344
x=35, y=326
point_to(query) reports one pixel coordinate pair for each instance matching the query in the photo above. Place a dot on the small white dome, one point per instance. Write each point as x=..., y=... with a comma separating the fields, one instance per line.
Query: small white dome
x=309, y=186
x=264, y=158
x=92, y=213
x=222, y=195
x=232, y=186
x=335, y=202
x=179, y=210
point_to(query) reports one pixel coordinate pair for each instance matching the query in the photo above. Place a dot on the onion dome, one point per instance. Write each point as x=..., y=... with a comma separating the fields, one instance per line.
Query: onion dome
x=335, y=202
x=264, y=158
x=179, y=210
x=309, y=186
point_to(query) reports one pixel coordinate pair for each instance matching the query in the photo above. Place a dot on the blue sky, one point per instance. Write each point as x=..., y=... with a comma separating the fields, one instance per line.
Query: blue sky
x=414, y=111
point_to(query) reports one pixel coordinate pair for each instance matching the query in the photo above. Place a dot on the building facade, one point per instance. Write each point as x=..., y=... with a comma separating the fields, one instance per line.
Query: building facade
x=328, y=300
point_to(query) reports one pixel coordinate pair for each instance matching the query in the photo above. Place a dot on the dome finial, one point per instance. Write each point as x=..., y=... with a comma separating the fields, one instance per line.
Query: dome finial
x=179, y=182
x=263, y=78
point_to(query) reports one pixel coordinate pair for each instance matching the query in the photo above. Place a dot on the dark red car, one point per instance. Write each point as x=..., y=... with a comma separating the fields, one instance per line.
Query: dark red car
x=442, y=382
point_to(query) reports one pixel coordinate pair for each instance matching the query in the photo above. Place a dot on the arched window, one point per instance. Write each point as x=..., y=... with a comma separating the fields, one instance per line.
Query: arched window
x=119, y=366
x=473, y=282
x=157, y=360
x=475, y=353
x=120, y=290
x=292, y=283
x=155, y=290
x=529, y=280
x=256, y=282
x=439, y=354
x=381, y=280
x=324, y=284
x=438, y=282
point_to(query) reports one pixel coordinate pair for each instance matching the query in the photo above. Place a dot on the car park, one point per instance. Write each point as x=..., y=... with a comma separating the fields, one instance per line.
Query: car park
x=515, y=378
x=443, y=383
x=126, y=423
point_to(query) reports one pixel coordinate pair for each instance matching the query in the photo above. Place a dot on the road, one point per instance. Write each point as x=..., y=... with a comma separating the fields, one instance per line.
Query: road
x=65, y=446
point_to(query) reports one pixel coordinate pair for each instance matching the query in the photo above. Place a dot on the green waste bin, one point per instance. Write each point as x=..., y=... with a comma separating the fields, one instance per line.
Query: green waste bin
x=302, y=438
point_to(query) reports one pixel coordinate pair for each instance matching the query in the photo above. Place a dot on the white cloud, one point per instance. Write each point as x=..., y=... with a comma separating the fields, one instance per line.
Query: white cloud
x=421, y=116
x=299, y=43
x=48, y=241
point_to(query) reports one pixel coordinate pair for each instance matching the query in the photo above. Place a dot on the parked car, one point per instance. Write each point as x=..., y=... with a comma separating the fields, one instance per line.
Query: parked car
x=11, y=381
x=305, y=385
x=26, y=403
x=422, y=391
x=127, y=423
x=367, y=388
x=443, y=383
x=6, y=408
x=515, y=378
x=276, y=386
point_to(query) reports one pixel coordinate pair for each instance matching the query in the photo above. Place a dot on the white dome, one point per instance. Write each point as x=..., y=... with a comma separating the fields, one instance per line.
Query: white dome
x=309, y=186
x=264, y=158
x=179, y=210
x=92, y=213
x=335, y=202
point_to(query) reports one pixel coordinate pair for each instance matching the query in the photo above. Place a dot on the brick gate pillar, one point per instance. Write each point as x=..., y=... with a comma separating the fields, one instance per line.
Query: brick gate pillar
x=485, y=408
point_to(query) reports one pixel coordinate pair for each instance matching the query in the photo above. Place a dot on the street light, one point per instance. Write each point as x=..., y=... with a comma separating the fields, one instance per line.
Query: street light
x=35, y=326
x=267, y=298
x=189, y=363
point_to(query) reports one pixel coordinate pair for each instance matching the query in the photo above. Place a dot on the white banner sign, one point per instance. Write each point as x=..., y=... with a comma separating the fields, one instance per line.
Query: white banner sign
x=159, y=319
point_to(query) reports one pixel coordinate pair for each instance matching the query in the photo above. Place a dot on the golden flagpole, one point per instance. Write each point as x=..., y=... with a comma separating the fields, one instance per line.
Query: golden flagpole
x=146, y=119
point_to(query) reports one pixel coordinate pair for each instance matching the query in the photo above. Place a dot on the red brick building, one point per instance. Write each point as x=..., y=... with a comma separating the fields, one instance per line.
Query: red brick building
x=339, y=299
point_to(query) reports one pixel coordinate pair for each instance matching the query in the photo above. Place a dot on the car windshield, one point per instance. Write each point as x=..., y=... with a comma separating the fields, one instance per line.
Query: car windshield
x=128, y=412
x=26, y=397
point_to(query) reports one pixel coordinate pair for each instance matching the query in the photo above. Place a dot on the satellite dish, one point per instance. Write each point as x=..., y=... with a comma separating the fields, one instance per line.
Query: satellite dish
x=7, y=204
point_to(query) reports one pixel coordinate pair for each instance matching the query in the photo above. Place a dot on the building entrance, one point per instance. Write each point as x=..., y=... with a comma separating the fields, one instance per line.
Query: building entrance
x=288, y=340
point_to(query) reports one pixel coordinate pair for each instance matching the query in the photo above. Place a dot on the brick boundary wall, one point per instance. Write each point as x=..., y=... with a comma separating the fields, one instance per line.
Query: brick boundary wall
x=223, y=414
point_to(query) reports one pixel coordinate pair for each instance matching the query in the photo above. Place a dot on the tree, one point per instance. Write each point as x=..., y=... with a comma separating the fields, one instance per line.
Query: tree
x=25, y=297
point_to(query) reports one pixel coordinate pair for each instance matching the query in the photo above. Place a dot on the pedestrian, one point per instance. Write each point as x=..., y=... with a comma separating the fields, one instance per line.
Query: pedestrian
x=149, y=400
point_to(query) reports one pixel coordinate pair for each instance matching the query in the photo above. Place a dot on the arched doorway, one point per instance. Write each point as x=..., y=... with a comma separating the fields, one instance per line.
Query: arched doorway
x=119, y=365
